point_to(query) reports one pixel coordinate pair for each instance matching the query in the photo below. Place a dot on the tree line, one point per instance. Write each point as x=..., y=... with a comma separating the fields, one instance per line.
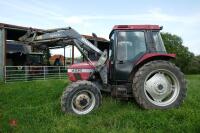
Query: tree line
x=185, y=59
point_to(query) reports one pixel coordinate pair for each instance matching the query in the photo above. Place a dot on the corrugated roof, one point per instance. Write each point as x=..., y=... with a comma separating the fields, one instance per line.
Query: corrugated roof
x=10, y=26
x=24, y=29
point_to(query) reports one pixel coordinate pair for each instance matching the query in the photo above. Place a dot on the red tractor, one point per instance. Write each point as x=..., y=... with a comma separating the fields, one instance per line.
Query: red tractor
x=135, y=66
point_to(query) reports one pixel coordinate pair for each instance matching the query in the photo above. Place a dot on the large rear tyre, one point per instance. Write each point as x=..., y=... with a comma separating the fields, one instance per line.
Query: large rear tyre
x=159, y=85
x=81, y=98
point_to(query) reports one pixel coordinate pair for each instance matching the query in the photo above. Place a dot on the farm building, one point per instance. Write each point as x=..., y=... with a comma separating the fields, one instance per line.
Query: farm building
x=15, y=54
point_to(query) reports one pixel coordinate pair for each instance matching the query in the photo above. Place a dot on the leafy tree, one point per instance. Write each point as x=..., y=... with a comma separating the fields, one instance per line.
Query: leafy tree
x=174, y=44
x=195, y=65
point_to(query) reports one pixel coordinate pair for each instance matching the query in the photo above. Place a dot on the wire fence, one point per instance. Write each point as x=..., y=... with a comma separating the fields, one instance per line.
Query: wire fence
x=29, y=73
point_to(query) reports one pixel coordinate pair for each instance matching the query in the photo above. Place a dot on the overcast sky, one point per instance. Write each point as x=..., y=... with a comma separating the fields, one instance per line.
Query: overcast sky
x=181, y=17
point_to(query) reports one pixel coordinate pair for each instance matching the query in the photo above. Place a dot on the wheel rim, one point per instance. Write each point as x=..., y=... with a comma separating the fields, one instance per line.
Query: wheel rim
x=161, y=87
x=83, y=102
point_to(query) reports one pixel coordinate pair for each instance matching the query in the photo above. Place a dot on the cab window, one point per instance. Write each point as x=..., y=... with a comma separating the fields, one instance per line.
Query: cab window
x=130, y=45
x=159, y=45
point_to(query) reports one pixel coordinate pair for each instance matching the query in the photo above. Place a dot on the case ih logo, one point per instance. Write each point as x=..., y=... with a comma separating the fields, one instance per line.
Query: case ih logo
x=80, y=70
x=76, y=70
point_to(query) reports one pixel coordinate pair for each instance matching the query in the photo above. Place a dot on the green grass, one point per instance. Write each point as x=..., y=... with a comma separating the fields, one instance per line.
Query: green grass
x=36, y=108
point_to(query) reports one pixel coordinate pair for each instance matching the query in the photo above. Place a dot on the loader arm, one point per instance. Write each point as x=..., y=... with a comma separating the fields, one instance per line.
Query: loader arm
x=60, y=34
x=66, y=35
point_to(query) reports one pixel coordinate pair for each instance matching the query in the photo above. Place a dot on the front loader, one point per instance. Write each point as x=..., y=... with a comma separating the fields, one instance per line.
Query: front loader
x=135, y=66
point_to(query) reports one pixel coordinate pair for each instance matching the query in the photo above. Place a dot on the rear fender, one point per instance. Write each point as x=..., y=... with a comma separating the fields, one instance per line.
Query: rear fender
x=150, y=57
x=155, y=56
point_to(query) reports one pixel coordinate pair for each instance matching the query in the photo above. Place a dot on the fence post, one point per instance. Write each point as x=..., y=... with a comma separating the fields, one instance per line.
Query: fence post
x=59, y=72
x=2, y=53
x=5, y=75
x=44, y=72
x=26, y=72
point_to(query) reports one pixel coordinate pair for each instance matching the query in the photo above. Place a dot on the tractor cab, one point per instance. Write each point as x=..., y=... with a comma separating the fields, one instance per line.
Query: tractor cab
x=128, y=44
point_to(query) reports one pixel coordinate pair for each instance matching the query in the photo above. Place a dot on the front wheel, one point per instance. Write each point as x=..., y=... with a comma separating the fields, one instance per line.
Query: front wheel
x=80, y=98
x=159, y=85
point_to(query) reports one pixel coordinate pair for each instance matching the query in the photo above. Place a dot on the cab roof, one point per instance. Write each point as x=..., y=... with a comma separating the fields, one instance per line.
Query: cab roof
x=137, y=27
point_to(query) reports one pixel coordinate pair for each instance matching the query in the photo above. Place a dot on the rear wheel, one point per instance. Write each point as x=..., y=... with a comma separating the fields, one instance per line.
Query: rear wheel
x=80, y=98
x=160, y=85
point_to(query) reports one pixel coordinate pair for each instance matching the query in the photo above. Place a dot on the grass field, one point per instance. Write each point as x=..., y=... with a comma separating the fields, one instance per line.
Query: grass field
x=33, y=107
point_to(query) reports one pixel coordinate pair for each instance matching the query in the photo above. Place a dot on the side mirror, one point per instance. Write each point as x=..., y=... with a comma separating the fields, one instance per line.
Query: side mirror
x=94, y=35
x=95, y=42
x=95, y=39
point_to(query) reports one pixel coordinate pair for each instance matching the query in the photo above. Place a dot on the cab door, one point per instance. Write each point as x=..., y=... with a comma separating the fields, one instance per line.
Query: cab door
x=130, y=46
x=111, y=64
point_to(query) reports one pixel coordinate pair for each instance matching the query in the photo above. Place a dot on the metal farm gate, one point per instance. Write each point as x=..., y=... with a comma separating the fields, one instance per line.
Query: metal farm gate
x=29, y=73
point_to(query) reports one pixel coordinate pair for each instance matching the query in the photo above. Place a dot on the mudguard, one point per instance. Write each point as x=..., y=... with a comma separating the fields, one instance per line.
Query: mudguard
x=152, y=56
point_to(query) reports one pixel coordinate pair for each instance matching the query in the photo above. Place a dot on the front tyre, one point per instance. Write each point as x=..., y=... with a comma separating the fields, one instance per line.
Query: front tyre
x=81, y=98
x=159, y=85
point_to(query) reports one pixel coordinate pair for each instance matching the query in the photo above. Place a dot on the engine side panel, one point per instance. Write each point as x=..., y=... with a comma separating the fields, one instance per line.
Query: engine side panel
x=80, y=71
x=79, y=74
